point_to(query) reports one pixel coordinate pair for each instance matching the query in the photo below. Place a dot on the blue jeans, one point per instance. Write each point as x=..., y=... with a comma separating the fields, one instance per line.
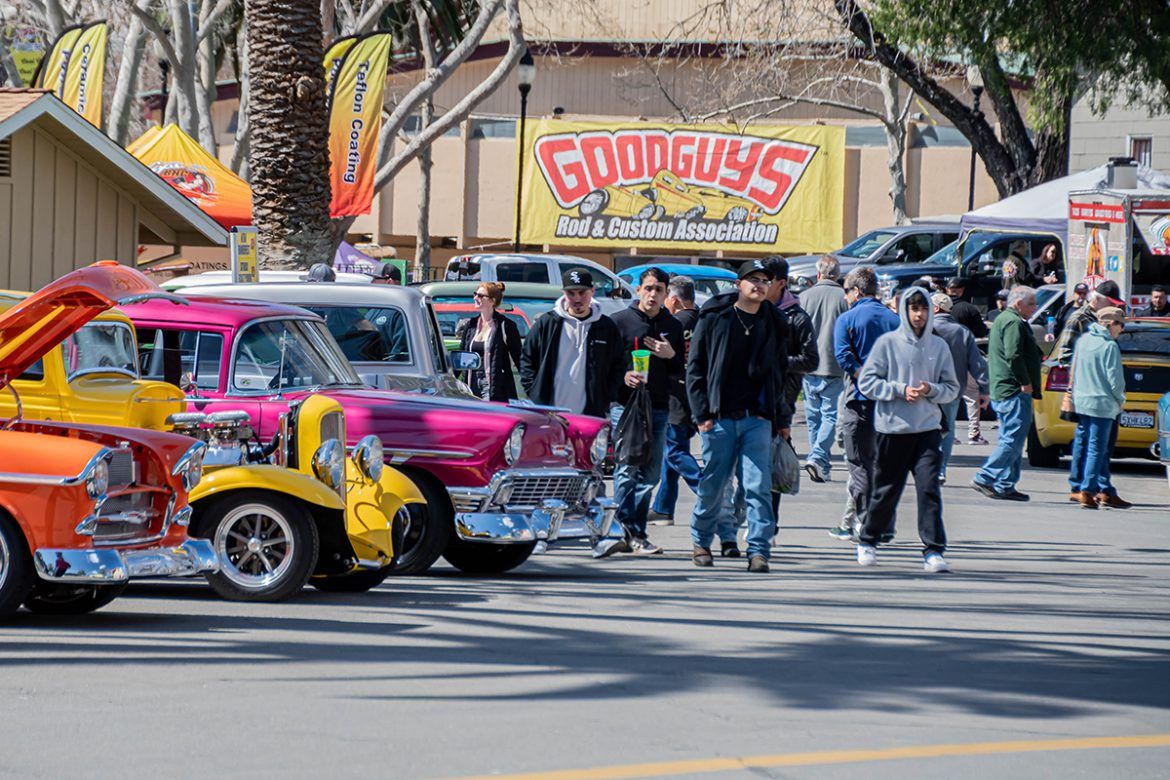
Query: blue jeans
x=1076, y=470
x=747, y=441
x=950, y=412
x=821, y=397
x=1097, y=434
x=677, y=461
x=1001, y=471
x=632, y=485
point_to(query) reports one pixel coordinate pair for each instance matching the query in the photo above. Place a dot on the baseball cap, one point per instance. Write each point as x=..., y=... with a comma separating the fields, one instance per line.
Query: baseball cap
x=1111, y=314
x=577, y=279
x=755, y=266
x=957, y=282
x=1082, y=288
x=320, y=272
x=387, y=271
x=1002, y=295
x=942, y=300
x=1110, y=290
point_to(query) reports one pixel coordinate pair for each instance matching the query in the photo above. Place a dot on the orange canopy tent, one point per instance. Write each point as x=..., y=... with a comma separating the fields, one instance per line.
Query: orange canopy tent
x=186, y=166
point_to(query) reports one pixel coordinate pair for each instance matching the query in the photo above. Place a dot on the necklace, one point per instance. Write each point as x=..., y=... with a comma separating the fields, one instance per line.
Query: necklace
x=747, y=329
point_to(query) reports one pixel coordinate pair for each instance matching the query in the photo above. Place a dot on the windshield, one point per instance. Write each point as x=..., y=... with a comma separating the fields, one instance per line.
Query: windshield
x=867, y=244
x=274, y=355
x=449, y=320
x=101, y=347
x=713, y=286
x=1145, y=340
x=366, y=333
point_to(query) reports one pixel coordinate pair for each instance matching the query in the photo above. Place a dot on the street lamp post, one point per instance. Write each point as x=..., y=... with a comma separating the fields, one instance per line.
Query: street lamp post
x=975, y=79
x=525, y=73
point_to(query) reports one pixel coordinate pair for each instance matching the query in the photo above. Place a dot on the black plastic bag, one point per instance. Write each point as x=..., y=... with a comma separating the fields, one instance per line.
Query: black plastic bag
x=634, y=435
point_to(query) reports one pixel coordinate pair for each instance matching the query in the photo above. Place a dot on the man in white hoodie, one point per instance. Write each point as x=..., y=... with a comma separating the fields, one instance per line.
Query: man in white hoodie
x=910, y=374
x=573, y=356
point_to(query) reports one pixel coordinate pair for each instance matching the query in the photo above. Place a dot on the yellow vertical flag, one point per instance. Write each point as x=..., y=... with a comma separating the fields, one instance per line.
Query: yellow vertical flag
x=355, y=70
x=75, y=69
x=51, y=72
x=85, y=73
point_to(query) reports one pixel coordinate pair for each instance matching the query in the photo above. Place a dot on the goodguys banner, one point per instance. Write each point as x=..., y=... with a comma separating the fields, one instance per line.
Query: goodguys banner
x=777, y=189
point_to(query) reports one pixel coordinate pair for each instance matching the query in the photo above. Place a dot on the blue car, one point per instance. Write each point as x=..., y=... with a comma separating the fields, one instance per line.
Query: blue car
x=709, y=279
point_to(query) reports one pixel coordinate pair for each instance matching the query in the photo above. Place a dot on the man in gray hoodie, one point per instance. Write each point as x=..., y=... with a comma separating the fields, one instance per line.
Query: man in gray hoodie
x=910, y=374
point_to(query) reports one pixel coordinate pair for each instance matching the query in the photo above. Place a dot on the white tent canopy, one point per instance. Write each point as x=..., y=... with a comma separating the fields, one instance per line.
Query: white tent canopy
x=1044, y=208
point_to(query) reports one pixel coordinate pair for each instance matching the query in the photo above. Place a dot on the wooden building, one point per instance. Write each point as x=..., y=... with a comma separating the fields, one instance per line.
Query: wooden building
x=69, y=196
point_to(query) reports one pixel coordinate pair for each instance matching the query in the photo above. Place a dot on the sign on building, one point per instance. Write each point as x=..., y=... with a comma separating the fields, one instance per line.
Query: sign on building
x=243, y=246
x=662, y=186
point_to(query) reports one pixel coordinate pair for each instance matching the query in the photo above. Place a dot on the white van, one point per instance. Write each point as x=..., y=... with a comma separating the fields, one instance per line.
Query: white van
x=539, y=269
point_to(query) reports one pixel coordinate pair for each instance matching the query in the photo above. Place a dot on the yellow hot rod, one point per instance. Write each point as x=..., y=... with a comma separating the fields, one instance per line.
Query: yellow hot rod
x=279, y=514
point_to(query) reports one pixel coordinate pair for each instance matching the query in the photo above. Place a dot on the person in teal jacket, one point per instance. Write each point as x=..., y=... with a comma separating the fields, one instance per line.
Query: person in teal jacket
x=1098, y=388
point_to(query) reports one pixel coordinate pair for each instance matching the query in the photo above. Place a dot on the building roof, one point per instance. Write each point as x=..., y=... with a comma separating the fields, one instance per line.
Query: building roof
x=171, y=217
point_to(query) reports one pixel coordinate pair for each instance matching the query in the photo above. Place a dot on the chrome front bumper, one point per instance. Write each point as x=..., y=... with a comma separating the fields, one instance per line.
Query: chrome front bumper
x=104, y=566
x=550, y=522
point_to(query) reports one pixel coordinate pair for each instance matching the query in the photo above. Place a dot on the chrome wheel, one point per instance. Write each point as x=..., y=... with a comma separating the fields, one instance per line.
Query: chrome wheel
x=737, y=214
x=593, y=203
x=256, y=546
x=5, y=557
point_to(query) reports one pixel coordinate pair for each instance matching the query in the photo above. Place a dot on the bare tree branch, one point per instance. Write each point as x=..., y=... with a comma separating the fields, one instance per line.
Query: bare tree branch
x=207, y=22
x=369, y=18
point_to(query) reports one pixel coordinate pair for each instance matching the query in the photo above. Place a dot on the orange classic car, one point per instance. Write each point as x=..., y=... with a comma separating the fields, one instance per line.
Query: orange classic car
x=86, y=508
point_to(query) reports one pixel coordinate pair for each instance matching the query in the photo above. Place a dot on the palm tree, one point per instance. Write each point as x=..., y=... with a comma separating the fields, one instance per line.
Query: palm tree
x=289, y=154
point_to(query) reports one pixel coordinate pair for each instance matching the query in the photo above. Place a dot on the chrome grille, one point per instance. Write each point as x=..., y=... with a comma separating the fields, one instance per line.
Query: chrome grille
x=121, y=468
x=529, y=491
x=128, y=516
x=333, y=426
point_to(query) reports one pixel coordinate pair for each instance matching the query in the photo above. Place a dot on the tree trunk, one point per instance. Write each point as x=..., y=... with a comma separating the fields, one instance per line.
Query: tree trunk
x=895, y=127
x=422, y=251
x=205, y=92
x=118, y=122
x=289, y=153
x=239, y=161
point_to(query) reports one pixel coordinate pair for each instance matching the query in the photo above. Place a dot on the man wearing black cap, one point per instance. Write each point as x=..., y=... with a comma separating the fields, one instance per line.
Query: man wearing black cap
x=388, y=273
x=962, y=310
x=1001, y=299
x=1159, y=304
x=1080, y=295
x=573, y=355
x=735, y=386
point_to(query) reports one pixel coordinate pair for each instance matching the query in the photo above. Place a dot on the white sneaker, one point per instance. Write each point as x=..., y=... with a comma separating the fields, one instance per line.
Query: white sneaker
x=933, y=563
x=866, y=555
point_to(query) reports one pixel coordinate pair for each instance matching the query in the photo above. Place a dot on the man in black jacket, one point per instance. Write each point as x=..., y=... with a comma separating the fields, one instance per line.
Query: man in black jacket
x=573, y=355
x=735, y=386
x=803, y=356
x=646, y=325
x=967, y=314
x=677, y=460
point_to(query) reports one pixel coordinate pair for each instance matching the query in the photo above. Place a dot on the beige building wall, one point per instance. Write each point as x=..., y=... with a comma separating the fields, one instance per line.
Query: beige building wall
x=57, y=214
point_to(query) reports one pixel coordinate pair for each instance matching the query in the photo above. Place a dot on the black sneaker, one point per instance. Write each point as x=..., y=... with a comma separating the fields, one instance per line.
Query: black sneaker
x=729, y=550
x=1015, y=495
x=986, y=490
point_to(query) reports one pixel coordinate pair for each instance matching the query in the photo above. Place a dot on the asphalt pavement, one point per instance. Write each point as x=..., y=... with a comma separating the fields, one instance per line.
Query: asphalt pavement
x=1045, y=653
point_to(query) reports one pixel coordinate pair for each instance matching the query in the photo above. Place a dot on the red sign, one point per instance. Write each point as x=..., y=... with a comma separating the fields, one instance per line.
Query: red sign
x=1096, y=212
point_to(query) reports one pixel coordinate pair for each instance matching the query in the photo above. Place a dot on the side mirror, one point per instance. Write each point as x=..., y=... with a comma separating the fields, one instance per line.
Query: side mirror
x=464, y=361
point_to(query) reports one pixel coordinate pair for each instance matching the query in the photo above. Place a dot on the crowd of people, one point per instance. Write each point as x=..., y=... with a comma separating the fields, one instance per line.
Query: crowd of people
x=888, y=377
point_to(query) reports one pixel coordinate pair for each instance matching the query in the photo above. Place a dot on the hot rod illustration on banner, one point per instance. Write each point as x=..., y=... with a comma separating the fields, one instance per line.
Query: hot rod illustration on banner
x=683, y=186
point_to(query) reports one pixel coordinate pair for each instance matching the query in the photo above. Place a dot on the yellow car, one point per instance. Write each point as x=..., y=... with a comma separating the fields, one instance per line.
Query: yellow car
x=619, y=202
x=678, y=199
x=311, y=515
x=1145, y=356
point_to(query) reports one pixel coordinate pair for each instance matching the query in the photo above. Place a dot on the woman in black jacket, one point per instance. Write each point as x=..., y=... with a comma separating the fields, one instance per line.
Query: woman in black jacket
x=496, y=340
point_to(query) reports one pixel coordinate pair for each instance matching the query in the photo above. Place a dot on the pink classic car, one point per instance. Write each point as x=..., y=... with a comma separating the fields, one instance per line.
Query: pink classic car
x=498, y=479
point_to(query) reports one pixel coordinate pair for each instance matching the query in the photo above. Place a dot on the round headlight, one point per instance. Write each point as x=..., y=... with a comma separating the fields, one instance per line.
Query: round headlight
x=600, y=446
x=194, y=471
x=369, y=457
x=514, y=444
x=329, y=463
x=98, y=481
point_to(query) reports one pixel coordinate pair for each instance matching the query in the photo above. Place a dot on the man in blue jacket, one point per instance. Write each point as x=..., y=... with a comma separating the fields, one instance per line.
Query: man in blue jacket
x=854, y=335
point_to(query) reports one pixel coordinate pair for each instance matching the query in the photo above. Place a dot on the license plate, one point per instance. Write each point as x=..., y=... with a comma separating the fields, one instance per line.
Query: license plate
x=1137, y=420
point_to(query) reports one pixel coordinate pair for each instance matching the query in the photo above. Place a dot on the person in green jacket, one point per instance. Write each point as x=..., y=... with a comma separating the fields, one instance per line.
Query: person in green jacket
x=1013, y=363
x=1098, y=395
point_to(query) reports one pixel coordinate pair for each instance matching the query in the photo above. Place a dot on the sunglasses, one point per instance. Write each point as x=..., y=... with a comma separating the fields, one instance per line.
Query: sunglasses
x=477, y=295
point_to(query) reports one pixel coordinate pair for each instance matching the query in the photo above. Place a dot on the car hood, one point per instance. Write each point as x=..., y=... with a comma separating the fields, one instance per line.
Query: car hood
x=44, y=319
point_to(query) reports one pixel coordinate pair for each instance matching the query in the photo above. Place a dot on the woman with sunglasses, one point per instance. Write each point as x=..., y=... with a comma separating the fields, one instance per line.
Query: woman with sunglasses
x=496, y=340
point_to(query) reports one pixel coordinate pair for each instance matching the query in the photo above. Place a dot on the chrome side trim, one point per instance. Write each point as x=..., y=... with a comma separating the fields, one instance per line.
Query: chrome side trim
x=399, y=456
x=52, y=479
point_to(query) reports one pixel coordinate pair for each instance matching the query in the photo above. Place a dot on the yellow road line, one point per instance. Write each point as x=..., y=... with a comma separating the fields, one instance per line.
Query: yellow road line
x=703, y=765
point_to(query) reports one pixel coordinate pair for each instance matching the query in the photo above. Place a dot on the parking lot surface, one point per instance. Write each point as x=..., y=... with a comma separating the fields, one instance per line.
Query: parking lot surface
x=1045, y=653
